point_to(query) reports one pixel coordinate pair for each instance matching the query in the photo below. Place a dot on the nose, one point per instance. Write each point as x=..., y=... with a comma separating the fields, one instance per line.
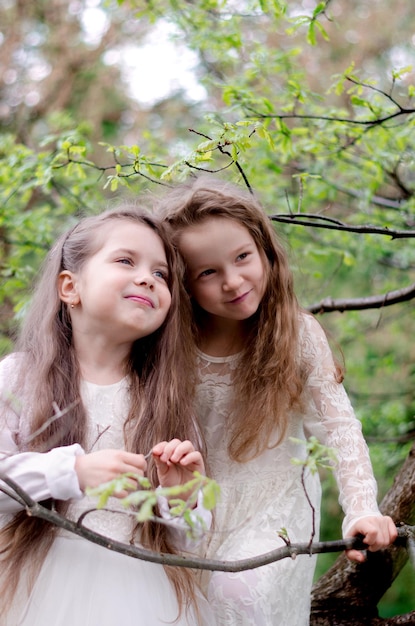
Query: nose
x=145, y=279
x=232, y=281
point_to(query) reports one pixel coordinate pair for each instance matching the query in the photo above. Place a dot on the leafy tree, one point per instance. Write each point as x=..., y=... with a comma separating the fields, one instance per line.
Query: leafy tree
x=310, y=105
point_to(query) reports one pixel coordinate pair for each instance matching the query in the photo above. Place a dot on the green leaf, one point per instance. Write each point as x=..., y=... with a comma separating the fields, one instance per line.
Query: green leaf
x=359, y=101
x=311, y=34
x=211, y=494
x=398, y=74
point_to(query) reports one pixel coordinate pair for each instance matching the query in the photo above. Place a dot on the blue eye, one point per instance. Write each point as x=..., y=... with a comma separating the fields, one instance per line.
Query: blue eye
x=125, y=261
x=161, y=274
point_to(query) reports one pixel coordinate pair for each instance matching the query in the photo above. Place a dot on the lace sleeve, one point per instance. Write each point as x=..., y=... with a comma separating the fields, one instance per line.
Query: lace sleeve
x=333, y=422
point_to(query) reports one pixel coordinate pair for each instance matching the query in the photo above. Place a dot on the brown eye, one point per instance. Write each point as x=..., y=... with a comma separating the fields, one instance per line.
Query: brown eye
x=206, y=273
x=242, y=256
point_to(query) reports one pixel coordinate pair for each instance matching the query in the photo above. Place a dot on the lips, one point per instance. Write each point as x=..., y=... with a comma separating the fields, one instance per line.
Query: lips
x=240, y=298
x=142, y=300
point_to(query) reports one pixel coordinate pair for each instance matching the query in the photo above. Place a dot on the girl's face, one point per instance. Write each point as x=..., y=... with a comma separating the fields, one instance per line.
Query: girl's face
x=121, y=293
x=227, y=275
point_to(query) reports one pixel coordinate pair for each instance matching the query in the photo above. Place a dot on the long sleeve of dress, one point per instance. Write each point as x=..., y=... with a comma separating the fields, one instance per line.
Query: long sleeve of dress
x=109, y=587
x=334, y=423
x=41, y=475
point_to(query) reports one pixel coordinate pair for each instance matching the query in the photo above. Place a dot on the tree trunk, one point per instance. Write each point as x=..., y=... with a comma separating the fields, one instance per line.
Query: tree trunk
x=348, y=594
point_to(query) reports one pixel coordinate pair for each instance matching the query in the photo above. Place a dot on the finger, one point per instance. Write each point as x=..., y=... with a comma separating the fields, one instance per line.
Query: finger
x=159, y=448
x=134, y=471
x=132, y=459
x=389, y=530
x=393, y=531
x=381, y=541
x=169, y=450
x=138, y=468
x=182, y=449
x=383, y=534
x=192, y=458
x=129, y=486
x=358, y=556
x=162, y=468
x=370, y=536
x=120, y=494
x=132, y=484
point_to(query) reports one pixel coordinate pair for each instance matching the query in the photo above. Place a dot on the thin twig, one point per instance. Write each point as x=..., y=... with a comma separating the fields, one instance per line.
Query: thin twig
x=58, y=413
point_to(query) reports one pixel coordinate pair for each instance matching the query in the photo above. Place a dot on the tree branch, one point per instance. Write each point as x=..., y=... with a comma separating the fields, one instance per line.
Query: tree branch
x=320, y=221
x=329, y=305
x=35, y=509
x=348, y=593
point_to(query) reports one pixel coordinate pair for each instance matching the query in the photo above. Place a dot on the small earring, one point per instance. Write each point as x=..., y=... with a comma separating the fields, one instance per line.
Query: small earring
x=72, y=305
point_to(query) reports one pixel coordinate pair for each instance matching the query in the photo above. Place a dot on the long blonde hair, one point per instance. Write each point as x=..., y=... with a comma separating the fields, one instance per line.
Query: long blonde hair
x=269, y=379
x=160, y=383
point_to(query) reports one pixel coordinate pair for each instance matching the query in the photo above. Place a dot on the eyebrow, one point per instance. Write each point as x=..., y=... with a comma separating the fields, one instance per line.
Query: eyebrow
x=133, y=253
x=233, y=252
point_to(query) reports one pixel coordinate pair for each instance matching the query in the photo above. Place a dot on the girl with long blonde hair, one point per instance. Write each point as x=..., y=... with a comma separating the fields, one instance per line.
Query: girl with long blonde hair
x=266, y=382
x=105, y=344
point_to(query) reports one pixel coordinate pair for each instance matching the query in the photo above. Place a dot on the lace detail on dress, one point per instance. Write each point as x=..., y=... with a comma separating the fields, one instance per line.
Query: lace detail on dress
x=333, y=421
x=264, y=495
x=107, y=407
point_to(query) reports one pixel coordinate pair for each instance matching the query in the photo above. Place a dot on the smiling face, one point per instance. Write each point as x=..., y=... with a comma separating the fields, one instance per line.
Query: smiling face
x=227, y=275
x=121, y=292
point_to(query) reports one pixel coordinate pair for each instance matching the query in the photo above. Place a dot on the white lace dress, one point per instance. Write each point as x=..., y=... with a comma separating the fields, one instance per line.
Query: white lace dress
x=81, y=583
x=264, y=495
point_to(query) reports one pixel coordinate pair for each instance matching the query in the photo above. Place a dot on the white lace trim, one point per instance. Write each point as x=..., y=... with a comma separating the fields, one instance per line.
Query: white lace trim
x=264, y=495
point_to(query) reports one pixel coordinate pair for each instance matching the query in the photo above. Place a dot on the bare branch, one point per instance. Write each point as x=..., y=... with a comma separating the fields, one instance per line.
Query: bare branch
x=320, y=221
x=20, y=494
x=291, y=551
x=57, y=414
x=35, y=509
x=328, y=118
x=358, y=304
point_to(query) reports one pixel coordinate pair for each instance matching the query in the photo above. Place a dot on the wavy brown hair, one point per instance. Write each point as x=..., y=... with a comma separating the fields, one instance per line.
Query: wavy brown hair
x=269, y=379
x=160, y=384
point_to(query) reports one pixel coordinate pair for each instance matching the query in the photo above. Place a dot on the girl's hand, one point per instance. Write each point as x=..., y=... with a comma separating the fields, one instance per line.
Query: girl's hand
x=99, y=467
x=378, y=533
x=176, y=461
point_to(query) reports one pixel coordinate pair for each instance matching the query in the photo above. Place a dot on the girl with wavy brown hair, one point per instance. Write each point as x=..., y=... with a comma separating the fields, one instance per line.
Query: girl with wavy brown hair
x=104, y=343
x=266, y=382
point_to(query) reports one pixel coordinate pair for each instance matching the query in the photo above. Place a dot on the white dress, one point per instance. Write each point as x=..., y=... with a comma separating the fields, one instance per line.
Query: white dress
x=262, y=496
x=81, y=583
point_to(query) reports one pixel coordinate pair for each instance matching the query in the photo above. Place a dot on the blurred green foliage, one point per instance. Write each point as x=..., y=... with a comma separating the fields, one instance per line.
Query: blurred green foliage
x=303, y=104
